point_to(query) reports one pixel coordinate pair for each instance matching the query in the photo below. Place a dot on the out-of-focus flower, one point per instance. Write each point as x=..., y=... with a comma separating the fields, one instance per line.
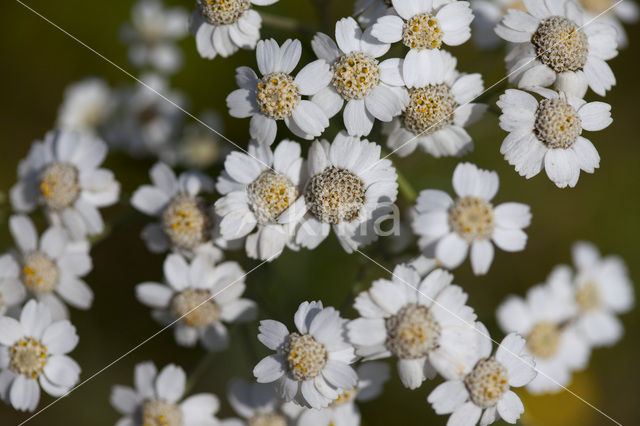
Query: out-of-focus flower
x=260, y=405
x=152, y=34
x=199, y=146
x=615, y=13
x=12, y=291
x=368, y=11
x=278, y=95
x=547, y=134
x=448, y=228
x=61, y=174
x=424, y=323
x=372, y=89
x=486, y=15
x=310, y=366
x=33, y=350
x=86, y=106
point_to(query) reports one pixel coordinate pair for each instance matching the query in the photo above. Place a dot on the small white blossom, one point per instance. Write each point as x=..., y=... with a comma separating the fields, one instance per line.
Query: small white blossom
x=486, y=15
x=260, y=405
x=86, y=106
x=199, y=146
x=615, y=13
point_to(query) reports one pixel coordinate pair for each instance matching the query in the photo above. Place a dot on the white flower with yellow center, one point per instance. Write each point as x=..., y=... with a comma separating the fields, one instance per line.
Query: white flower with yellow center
x=350, y=189
x=438, y=111
x=258, y=187
x=448, y=228
x=424, y=26
x=62, y=175
x=34, y=351
x=152, y=34
x=86, y=106
x=372, y=88
x=221, y=27
x=185, y=220
x=259, y=404
x=485, y=394
x=552, y=339
x=311, y=366
x=486, y=15
x=603, y=289
x=157, y=400
x=278, y=95
x=615, y=13
x=555, y=44
x=548, y=134
x=424, y=323
x=202, y=296
x=49, y=268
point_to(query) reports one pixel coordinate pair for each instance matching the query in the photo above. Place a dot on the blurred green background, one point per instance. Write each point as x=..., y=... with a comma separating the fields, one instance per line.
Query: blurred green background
x=39, y=62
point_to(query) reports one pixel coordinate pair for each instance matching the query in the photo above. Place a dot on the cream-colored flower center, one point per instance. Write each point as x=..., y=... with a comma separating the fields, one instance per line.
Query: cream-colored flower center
x=422, y=32
x=28, y=357
x=412, y=332
x=544, y=339
x=588, y=297
x=59, y=185
x=560, y=44
x=356, y=75
x=196, y=307
x=345, y=398
x=430, y=109
x=487, y=382
x=186, y=222
x=335, y=195
x=557, y=124
x=472, y=218
x=161, y=413
x=597, y=6
x=278, y=95
x=305, y=355
x=223, y=12
x=39, y=273
x=267, y=419
x=270, y=195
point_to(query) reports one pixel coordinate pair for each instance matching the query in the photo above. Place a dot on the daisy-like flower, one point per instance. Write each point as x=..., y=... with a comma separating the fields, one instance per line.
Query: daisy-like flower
x=556, y=44
x=260, y=405
x=12, y=291
x=602, y=290
x=157, y=399
x=185, y=221
x=424, y=26
x=372, y=89
x=350, y=189
x=61, y=174
x=548, y=134
x=368, y=11
x=152, y=34
x=424, y=323
x=311, y=366
x=484, y=394
x=257, y=188
x=615, y=13
x=439, y=109
x=344, y=410
x=86, y=106
x=33, y=350
x=49, y=268
x=486, y=15
x=277, y=95
x=221, y=27
x=448, y=228
x=202, y=296
x=544, y=319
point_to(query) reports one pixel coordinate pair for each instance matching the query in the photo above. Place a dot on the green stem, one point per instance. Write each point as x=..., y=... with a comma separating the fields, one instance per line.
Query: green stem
x=406, y=189
x=201, y=367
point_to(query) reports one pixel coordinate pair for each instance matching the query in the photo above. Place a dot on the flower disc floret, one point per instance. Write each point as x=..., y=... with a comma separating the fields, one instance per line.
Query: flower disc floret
x=305, y=355
x=412, y=332
x=422, y=32
x=335, y=195
x=28, y=357
x=557, y=123
x=472, y=218
x=544, y=339
x=560, y=44
x=278, y=95
x=487, y=383
x=59, y=185
x=161, y=413
x=223, y=12
x=430, y=109
x=270, y=195
x=196, y=308
x=186, y=222
x=356, y=75
x=40, y=274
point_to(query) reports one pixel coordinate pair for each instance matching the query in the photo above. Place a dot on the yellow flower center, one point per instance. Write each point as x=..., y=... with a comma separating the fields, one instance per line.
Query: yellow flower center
x=223, y=12
x=413, y=332
x=59, y=185
x=472, y=218
x=186, y=222
x=544, y=339
x=430, y=109
x=356, y=75
x=487, y=382
x=335, y=195
x=28, y=357
x=161, y=413
x=270, y=195
x=588, y=297
x=39, y=273
x=422, y=32
x=196, y=308
x=305, y=355
x=278, y=95
x=557, y=123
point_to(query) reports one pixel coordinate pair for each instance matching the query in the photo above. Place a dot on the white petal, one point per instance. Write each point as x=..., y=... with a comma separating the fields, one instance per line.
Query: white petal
x=451, y=250
x=510, y=407
x=170, y=383
x=481, y=256
x=270, y=369
x=23, y=232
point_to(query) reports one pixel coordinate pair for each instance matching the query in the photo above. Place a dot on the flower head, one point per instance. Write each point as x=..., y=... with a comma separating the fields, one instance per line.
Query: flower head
x=260, y=404
x=86, y=106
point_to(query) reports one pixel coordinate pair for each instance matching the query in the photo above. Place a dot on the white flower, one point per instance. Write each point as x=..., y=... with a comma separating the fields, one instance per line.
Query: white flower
x=86, y=105
x=423, y=322
x=439, y=108
x=447, y=228
x=202, y=296
x=157, y=399
x=34, y=350
x=555, y=43
x=368, y=11
x=372, y=89
x=278, y=95
x=311, y=366
x=257, y=188
x=424, y=26
x=222, y=27
x=344, y=411
x=260, y=405
x=12, y=291
x=547, y=134
x=200, y=147
x=484, y=393
x=602, y=290
x=486, y=15
x=615, y=13
x=50, y=267
x=62, y=175
x=185, y=221
x=152, y=33
x=544, y=319
x=350, y=189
